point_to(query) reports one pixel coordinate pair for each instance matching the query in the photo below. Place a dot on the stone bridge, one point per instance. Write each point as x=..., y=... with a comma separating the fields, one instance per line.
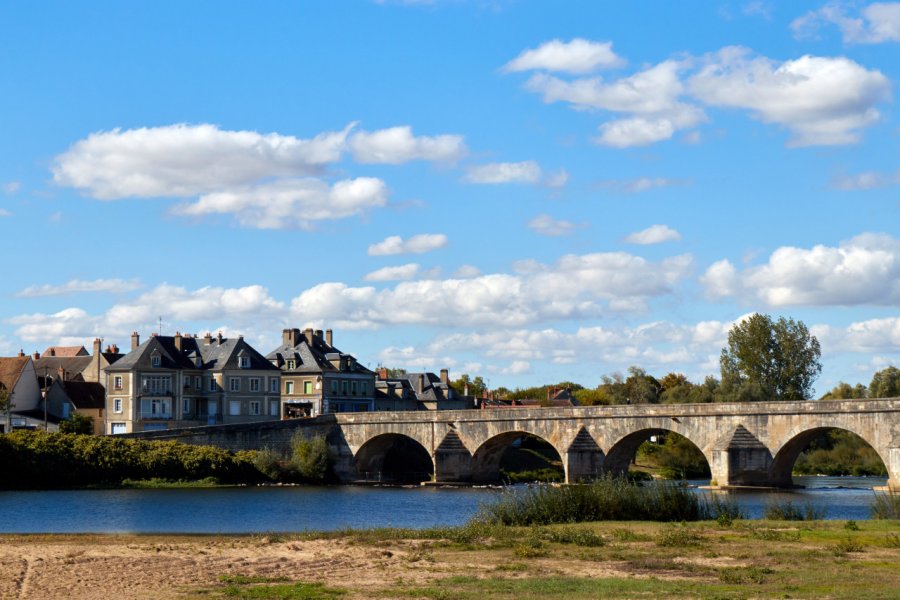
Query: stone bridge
x=745, y=444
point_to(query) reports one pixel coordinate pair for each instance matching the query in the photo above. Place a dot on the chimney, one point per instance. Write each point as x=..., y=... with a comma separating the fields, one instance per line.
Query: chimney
x=421, y=383
x=219, y=337
x=445, y=376
x=97, y=346
x=319, y=334
x=328, y=337
x=135, y=340
x=52, y=352
x=207, y=339
x=21, y=353
x=309, y=335
x=36, y=355
x=382, y=373
x=178, y=341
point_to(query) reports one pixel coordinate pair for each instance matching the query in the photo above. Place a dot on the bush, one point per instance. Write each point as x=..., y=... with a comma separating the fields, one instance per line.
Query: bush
x=311, y=458
x=607, y=499
x=77, y=423
x=885, y=506
x=788, y=511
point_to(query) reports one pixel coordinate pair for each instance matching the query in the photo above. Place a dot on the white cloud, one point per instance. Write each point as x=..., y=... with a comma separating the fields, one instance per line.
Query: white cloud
x=559, y=179
x=576, y=56
x=398, y=145
x=417, y=244
x=867, y=180
x=75, y=286
x=822, y=101
x=291, y=203
x=575, y=286
x=655, y=234
x=650, y=98
x=877, y=23
x=11, y=187
x=398, y=273
x=5, y=213
x=864, y=270
x=187, y=160
x=519, y=172
x=467, y=272
x=634, y=186
x=547, y=225
x=874, y=335
x=517, y=367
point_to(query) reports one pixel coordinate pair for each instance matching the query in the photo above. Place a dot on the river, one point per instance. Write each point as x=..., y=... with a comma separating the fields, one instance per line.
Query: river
x=292, y=509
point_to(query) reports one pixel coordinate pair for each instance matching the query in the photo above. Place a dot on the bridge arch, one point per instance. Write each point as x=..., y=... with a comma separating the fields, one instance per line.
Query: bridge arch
x=622, y=452
x=393, y=457
x=798, y=440
x=486, y=458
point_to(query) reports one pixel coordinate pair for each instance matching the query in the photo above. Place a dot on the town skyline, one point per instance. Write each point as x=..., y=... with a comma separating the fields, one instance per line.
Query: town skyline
x=530, y=193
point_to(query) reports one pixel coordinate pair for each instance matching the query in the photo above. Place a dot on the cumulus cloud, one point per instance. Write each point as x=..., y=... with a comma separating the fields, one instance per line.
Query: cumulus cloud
x=398, y=145
x=398, y=273
x=507, y=172
x=249, y=306
x=874, y=335
x=655, y=234
x=559, y=179
x=417, y=244
x=575, y=286
x=547, y=225
x=876, y=23
x=864, y=270
x=821, y=101
x=867, y=180
x=76, y=286
x=187, y=160
x=650, y=98
x=576, y=56
x=467, y=272
x=291, y=203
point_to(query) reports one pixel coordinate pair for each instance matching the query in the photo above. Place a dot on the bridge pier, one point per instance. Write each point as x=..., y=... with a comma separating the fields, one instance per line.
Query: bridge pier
x=583, y=461
x=742, y=460
x=452, y=461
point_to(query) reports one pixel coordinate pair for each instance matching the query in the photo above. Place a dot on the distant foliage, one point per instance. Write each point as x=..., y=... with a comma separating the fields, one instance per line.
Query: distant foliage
x=840, y=452
x=677, y=456
x=885, y=383
x=41, y=460
x=311, y=458
x=77, y=423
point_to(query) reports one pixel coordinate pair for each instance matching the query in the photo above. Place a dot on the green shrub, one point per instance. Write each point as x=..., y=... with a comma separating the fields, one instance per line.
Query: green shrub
x=311, y=458
x=788, y=511
x=885, y=506
x=77, y=423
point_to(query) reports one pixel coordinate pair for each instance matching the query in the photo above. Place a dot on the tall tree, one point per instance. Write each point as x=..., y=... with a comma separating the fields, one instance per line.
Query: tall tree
x=885, y=383
x=6, y=405
x=766, y=359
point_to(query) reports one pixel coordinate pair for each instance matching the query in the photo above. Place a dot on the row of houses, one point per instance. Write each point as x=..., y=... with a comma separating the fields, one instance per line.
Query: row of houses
x=186, y=380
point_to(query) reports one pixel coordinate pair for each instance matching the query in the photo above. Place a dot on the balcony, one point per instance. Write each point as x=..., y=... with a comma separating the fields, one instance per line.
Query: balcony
x=155, y=416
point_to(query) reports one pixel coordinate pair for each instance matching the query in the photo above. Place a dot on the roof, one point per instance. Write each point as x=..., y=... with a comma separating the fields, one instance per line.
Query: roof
x=66, y=351
x=313, y=358
x=86, y=394
x=216, y=354
x=433, y=389
x=11, y=368
x=71, y=364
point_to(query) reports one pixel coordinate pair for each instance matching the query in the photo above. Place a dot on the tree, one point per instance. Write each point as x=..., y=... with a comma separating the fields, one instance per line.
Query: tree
x=885, y=383
x=766, y=359
x=844, y=391
x=466, y=385
x=641, y=388
x=6, y=405
x=77, y=423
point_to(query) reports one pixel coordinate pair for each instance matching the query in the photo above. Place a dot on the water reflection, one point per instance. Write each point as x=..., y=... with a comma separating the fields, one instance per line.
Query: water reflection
x=248, y=510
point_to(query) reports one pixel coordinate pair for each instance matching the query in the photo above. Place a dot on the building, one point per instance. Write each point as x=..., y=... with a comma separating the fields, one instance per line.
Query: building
x=18, y=379
x=184, y=380
x=87, y=398
x=418, y=391
x=74, y=363
x=317, y=378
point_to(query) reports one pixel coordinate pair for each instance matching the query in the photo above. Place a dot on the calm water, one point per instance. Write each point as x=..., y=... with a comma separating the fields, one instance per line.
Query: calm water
x=248, y=510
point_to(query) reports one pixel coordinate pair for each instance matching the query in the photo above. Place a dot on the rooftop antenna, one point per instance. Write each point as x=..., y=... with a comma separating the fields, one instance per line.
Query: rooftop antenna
x=160, y=325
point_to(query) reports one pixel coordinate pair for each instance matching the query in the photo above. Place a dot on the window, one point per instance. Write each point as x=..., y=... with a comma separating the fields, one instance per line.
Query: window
x=254, y=407
x=234, y=407
x=254, y=384
x=273, y=408
x=334, y=387
x=354, y=387
x=117, y=405
x=156, y=384
x=290, y=364
x=154, y=360
x=365, y=388
x=273, y=385
x=197, y=381
x=343, y=387
x=288, y=387
x=186, y=405
x=245, y=362
x=212, y=383
x=307, y=387
x=117, y=382
x=234, y=384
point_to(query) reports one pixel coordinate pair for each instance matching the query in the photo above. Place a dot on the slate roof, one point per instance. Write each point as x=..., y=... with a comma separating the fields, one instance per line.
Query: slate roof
x=433, y=390
x=86, y=394
x=216, y=355
x=71, y=364
x=11, y=369
x=315, y=358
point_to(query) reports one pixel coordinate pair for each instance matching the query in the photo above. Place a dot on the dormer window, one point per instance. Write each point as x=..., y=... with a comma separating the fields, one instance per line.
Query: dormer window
x=198, y=362
x=291, y=364
x=245, y=362
x=155, y=360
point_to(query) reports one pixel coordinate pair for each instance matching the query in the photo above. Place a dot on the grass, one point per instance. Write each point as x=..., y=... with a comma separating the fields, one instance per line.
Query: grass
x=159, y=483
x=885, y=506
x=272, y=588
x=788, y=511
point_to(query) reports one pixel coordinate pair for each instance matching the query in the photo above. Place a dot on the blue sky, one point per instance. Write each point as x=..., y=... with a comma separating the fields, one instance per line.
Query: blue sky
x=529, y=191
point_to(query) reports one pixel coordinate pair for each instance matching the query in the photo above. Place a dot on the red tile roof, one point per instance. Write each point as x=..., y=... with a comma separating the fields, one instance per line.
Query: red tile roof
x=66, y=351
x=11, y=369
